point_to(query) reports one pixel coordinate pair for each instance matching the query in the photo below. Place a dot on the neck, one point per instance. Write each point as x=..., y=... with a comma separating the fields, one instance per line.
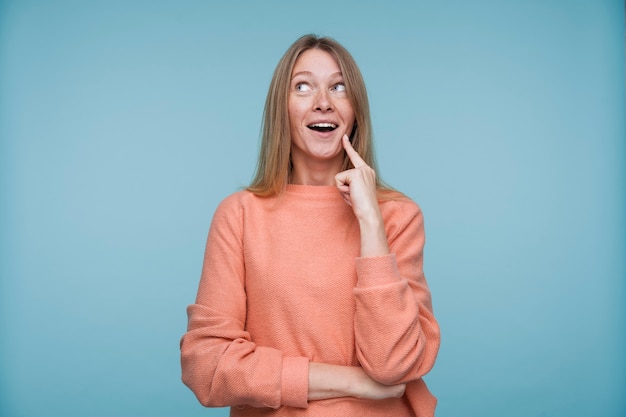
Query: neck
x=315, y=173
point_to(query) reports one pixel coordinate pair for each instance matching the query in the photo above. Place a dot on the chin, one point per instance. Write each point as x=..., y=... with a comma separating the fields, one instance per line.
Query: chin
x=327, y=156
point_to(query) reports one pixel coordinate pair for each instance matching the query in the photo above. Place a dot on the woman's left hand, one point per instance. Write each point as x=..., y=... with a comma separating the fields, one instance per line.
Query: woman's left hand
x=358, y=185
x=358, y=188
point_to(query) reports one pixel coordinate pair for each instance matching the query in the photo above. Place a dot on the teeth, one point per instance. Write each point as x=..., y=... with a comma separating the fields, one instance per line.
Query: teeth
x=326, y=125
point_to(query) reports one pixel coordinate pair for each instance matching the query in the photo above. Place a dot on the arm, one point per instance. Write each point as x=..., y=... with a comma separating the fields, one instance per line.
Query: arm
x=396, y=334
x=333, y=381
x=220, y=363
x=358, y=188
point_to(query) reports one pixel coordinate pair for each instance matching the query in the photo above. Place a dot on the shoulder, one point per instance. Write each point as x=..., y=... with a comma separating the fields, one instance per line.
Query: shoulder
x=240, y=200
x=396, y=204
x=235, y=204
x=236, y=199
x=399, y=212
x=243, y=201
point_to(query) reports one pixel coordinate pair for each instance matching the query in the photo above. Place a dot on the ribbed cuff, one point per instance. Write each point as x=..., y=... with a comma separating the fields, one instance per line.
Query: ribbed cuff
x=378, y=270
x=295, y=382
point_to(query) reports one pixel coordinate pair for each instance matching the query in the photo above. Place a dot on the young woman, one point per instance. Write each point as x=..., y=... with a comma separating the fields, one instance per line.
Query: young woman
x=312, y=299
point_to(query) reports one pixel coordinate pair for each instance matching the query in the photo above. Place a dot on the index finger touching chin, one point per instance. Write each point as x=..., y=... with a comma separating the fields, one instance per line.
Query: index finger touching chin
x=354, y=156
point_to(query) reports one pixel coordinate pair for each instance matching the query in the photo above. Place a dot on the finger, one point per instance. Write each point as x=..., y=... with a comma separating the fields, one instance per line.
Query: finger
x=342, y=179
x=355, y=158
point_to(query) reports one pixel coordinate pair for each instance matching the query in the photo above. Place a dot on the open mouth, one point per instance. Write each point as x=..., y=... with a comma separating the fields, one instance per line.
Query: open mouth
x=322, y=127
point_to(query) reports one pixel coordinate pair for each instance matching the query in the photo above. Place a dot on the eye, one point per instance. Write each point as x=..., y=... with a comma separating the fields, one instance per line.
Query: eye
x=303, y=87
x=340, y=88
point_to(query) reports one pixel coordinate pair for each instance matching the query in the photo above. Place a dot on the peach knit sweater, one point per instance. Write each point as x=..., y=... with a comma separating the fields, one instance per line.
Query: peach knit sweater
x=283, y=284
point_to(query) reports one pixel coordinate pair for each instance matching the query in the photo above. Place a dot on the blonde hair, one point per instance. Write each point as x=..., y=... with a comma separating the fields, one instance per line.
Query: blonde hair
x=274, y=163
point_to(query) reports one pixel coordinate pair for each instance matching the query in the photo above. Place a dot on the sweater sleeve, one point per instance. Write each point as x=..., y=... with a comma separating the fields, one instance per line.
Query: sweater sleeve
x=397, y=337
x=220, y=363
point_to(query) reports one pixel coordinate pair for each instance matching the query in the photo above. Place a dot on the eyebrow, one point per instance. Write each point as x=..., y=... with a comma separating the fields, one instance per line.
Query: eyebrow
x=309, y=74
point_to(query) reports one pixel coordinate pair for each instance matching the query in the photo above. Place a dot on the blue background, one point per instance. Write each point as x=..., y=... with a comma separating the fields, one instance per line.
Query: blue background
x=123, y=124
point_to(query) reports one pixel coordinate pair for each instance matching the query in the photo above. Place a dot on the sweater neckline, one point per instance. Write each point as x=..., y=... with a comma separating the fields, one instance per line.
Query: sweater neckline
x=319, y=191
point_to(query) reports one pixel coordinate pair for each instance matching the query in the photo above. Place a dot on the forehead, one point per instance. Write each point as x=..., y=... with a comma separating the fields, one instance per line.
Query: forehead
x=316, y=62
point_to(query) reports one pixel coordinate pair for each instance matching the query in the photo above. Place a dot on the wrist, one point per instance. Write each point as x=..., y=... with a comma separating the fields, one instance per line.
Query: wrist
x=373, y=236
x=332, y=381
x=355, y=382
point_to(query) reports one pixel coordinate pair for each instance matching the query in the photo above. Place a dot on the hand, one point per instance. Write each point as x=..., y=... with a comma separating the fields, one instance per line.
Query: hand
x=358, y=185
x=369, y=389
x=334, y=381
x=358, y=188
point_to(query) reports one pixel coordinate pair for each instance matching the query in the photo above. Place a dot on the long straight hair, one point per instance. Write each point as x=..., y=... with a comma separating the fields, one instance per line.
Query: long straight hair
x=274, y=163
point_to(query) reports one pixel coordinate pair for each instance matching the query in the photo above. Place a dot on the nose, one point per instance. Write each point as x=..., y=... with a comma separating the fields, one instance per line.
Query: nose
x=323, y=101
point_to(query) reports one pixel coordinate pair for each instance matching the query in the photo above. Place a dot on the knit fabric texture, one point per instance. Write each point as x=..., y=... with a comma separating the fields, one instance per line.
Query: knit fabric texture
x=282, y=284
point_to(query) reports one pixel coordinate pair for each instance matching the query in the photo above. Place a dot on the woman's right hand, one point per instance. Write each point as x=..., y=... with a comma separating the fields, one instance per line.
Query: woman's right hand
x=334, y=381
x=370, y=389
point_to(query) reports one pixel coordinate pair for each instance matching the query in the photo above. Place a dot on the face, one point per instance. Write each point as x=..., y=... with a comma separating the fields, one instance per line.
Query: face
x=320, y=112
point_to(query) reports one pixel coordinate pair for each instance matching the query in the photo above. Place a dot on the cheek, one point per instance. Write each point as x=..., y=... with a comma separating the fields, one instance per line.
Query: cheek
x=347, y=113
x=295, y=113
